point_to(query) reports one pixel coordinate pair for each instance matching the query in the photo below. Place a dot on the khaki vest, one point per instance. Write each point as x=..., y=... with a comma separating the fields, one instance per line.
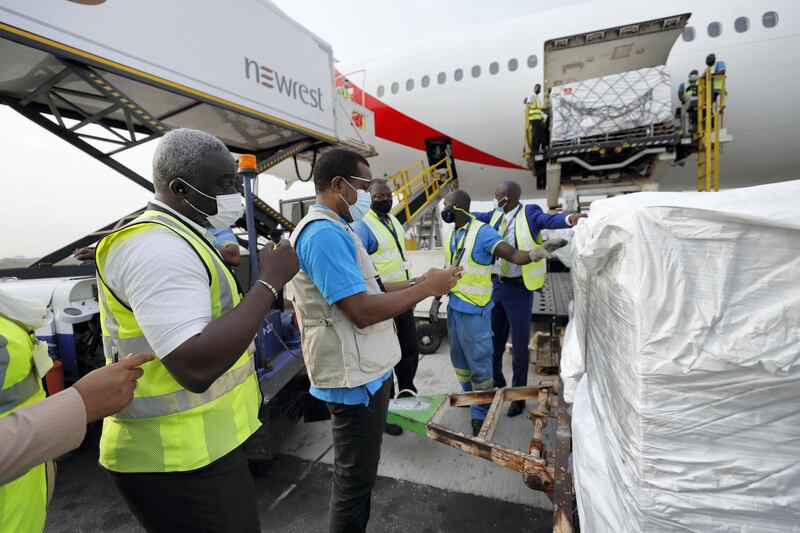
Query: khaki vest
x=336, y=352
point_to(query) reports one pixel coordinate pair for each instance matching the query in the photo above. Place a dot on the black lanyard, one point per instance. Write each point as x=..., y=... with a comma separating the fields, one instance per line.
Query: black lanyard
x=457, y=249
x=390, y=226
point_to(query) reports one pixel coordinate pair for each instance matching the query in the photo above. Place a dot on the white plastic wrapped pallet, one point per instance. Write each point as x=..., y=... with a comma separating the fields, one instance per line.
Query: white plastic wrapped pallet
x=685, y=347
x=612, y=103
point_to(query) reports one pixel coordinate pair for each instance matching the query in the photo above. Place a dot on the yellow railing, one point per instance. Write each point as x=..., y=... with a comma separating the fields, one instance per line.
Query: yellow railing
x=407, y=184
x=710, y=111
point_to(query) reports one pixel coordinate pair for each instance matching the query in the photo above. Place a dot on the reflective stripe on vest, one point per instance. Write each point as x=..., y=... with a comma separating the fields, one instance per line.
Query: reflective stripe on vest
x=22, y=500
x=475, y=285
x=532, y=273
x=387, y=258
x=174, y=429
x=534, y=109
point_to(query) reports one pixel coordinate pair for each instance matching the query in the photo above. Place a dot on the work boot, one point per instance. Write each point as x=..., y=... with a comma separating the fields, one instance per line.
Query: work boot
x=516, y=407
x=546, y=249
x=393, y=430
x=476, y=427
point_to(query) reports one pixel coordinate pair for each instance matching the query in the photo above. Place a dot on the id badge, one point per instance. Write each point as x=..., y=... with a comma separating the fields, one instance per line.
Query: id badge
x=406, y=265
x=41, y=359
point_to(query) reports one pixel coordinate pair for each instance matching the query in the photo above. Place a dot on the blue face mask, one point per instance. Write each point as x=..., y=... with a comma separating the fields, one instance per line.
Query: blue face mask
x=363, y=201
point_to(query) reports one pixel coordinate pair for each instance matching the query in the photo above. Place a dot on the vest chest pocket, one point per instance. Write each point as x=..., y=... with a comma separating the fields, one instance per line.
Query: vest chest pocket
x=376, y=346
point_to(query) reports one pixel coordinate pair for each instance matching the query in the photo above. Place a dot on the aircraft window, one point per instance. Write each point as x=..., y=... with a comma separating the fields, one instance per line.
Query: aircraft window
x=458, y=74
x=494, y=68
x=441, y=78
x=426, y=80
x=532, y=61
x=769, y=19
x=741, y=25
x=409, y=84
x=395, y=87
x=714, y=29
x=381, y=91
x=688, y=34
x=476, y=71
x=512, y=64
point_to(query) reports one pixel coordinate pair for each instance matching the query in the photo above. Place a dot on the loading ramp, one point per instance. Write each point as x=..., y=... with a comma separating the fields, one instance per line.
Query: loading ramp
x=81, y=84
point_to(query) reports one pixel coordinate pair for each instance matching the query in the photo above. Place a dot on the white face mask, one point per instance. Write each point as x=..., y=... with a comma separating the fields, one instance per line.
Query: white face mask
x=229, y=209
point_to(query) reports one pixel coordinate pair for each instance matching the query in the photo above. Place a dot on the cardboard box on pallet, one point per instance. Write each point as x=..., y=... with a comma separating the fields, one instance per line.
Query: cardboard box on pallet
x=611, y=104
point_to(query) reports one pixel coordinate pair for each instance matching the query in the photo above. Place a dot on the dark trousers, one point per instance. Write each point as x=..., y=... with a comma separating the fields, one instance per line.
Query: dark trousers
x=537, y=136
x=511, y=311
x=406, y=368
x=357, y=435
x=217, y=498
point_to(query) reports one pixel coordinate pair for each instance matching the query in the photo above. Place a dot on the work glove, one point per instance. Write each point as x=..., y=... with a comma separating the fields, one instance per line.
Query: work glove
x=433, y=312
x=546, y=249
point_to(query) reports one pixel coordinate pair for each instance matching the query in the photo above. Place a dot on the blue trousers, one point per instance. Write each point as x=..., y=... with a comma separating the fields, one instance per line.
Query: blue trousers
x=512, y=310
x=471, y=353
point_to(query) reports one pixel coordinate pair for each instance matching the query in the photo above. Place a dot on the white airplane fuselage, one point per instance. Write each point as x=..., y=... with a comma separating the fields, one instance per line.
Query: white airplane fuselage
x=483, y=115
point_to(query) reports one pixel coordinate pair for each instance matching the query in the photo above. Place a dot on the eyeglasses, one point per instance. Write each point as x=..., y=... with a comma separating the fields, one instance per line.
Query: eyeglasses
x=360, y=179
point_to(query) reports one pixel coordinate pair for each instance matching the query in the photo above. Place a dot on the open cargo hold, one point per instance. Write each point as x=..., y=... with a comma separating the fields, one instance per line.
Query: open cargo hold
x=632, y=100
x=686, y=344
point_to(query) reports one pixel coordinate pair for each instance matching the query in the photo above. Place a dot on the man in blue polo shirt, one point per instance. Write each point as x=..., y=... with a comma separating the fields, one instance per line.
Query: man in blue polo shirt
x=225, y=241
x=513, y=286
x=345, y=318
x=473, y=245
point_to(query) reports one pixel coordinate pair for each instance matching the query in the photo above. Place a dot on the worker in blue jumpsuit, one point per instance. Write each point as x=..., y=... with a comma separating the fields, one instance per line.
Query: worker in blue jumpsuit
x=512, y=285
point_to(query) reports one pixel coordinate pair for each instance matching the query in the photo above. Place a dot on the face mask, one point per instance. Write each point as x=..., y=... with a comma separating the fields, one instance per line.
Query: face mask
x=229, y=208
x=382, y=206
x=448, y=217
x=499, y=204
x=359, y=209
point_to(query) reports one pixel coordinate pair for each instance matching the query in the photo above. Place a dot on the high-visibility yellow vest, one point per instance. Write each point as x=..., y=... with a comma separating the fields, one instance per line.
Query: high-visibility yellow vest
x=23, y=501
x=532, y=273
x=475, y=285
x=716, y=81
x=689, y=90
x=389, y=256
x=343, y=92
x=534, y=108
x=167, y=428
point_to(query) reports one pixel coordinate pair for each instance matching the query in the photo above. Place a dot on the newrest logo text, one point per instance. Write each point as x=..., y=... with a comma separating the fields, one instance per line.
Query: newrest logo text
x=272, y=79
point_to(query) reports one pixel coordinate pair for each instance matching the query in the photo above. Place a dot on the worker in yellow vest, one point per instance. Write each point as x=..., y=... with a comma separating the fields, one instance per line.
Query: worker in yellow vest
x=23, y=363
x=718, y=68
x=384, y=239
x=474, y=246
x=344, y=89
x=175, y=453
x=512, y=285
x=36, y=429
x=535, y=124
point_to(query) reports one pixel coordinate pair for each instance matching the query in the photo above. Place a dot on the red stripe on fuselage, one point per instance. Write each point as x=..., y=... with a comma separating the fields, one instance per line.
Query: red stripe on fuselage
x=392, y=125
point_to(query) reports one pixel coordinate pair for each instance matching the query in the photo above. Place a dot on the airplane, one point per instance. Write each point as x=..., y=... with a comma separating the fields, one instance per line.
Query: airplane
x=469, y=88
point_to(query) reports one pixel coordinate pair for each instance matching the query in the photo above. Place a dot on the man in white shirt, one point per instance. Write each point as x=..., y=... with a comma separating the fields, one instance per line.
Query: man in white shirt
x=175, y=453
x=513, y=285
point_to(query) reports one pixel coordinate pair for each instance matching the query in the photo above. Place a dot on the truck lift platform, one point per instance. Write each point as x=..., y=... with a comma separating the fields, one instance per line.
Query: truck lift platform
x=631, y=158
x=110, y=77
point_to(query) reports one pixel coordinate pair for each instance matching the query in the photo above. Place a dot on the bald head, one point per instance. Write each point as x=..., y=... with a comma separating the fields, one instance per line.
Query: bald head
x=508, y=194
x=458, y=198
